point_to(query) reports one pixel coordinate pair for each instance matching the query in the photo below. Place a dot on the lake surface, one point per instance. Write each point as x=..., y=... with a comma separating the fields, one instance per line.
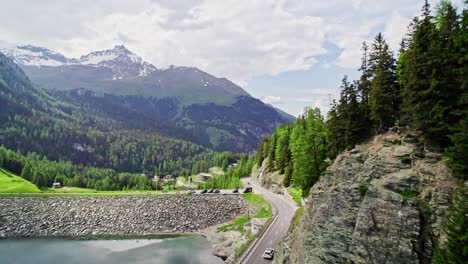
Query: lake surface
x=189, y=249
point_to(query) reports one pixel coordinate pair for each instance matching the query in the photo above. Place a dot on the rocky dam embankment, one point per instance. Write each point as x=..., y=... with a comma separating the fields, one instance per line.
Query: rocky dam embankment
x=114, y=216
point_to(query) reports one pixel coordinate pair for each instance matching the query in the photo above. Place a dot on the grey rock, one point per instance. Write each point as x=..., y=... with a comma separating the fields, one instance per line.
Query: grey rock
x=106, y=216
x=401, y=151
x=383, y=226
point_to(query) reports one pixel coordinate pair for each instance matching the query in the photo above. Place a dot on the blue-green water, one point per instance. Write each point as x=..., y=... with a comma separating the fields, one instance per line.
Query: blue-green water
x=180, y=250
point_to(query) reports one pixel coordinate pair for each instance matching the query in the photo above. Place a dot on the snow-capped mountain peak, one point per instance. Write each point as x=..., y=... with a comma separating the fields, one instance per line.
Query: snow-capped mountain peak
x=122, y=62
x=119, y=52
x=34, y=56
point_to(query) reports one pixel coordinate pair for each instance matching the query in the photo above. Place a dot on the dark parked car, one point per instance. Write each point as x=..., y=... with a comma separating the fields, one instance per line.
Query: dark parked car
x=235, y=191
x=216, y=191
x=204, y=191
x=248, y=190
x=210, y=191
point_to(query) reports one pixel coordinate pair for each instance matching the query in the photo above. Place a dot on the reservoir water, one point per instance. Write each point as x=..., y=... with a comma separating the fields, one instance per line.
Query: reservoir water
x=177, y=250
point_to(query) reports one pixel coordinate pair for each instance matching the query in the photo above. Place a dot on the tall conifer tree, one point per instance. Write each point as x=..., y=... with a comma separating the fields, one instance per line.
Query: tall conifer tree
x=428, y=77
x=384, y=98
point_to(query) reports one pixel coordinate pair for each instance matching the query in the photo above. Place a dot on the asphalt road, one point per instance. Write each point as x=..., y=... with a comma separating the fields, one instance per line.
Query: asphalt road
x=277, y=230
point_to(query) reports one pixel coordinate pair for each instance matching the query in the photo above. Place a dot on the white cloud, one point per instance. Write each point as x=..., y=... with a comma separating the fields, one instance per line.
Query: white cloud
x=236, y=39
x=395, y=29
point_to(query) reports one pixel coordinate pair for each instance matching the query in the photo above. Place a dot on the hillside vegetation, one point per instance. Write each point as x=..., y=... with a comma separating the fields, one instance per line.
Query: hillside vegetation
x=11, y=183
x=422, y=93
x=424, y=88
x=34, y=121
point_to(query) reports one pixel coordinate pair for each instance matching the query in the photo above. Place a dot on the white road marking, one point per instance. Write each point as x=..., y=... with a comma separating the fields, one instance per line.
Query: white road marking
x=271, y=241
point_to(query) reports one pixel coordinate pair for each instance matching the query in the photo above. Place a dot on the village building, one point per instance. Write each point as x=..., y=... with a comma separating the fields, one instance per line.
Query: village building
x=216, y=170
x=201, y=177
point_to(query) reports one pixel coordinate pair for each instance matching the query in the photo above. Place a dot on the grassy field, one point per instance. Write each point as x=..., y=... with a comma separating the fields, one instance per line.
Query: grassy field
x=69, y=190
x=88, y=194
x=297, y=217
x=11, y=183
x=261, y=207
x=184, y=180
x=237, y=225
x=296, y=194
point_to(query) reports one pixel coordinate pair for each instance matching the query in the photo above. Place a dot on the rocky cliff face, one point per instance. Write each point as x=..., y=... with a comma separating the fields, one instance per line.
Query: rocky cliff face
x=267, y=179
x=382, y=202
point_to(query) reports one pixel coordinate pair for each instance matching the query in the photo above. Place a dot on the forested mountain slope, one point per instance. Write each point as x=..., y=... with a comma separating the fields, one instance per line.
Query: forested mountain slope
x=33, y=121
x=184, y=102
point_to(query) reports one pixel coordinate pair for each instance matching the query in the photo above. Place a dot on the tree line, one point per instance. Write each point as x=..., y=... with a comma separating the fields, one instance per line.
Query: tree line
x=423, y=88
x=43, y=172
x=231, y=179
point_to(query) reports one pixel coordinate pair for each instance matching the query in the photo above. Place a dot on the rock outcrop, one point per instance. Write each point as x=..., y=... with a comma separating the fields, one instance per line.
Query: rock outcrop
x=382, y=202
x=266, y=178
x=115, y=216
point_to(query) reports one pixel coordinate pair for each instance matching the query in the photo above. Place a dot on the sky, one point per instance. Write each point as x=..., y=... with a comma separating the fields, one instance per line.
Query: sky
x=288, y=53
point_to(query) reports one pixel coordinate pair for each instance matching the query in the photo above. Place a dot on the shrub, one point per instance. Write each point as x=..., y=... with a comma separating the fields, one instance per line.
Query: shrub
x=406, y=160
x=362, y=188
x=408, y=193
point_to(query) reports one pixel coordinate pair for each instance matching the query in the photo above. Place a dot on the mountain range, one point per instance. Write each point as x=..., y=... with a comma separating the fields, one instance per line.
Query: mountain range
x=182, y=102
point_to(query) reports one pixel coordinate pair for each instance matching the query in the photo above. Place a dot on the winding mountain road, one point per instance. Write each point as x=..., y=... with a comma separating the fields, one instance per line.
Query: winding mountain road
x=283, y=213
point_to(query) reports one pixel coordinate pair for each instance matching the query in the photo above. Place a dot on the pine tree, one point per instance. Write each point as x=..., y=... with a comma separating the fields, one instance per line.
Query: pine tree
x=353, y=117
x=27, y=172
x=431, y=86
x=282, y=152
x=316, y=134
x=457, y=154
x=335, y=126
x=287, y=175
x=384, y=98
x=347, y=122
x=271, y=152
x=298, y=147
x=456, y=228
x=261, y=152
x=365, y=84
x=308, y=149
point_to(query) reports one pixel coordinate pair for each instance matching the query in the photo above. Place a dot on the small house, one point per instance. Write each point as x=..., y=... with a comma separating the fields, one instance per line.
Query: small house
x=156, y=178
x=56, y=185
x=216, y=171
x=232, y=166
x=201, y=177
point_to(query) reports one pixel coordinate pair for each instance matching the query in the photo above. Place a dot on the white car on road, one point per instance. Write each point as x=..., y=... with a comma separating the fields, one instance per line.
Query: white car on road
x=268, y=254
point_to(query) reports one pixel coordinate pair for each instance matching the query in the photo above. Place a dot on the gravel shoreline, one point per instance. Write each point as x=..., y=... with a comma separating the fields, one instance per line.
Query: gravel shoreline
x=114, y=216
